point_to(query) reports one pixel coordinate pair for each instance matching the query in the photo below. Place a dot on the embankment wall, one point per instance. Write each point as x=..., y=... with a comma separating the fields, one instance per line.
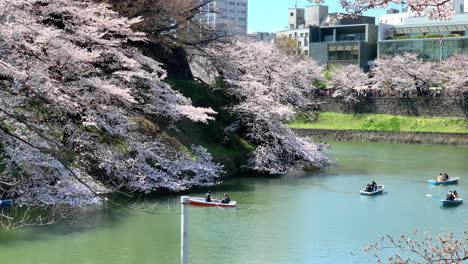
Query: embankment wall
x=321, y=135
x=413, y=106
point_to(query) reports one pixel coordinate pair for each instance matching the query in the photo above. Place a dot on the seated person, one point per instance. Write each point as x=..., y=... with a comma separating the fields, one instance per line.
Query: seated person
x=455, y=194
x=226, y=198
x=446, y=177
x=368, y=188
x=374, y=186
x=450, y=196
x=208, y=197
x=440, y=177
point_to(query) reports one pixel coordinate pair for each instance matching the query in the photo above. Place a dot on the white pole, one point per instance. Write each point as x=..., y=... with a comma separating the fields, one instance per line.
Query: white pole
x=184, y=231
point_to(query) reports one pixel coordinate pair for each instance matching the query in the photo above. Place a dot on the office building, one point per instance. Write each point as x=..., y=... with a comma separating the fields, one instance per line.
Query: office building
x=395, y=17
x=229, y=16
x=431, y=39
x=299, y=21
x=348, y=41
x=263, y=36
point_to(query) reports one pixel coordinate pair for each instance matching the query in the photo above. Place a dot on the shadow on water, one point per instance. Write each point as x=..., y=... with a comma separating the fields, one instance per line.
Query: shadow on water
x=81, y=222
x=450, y=207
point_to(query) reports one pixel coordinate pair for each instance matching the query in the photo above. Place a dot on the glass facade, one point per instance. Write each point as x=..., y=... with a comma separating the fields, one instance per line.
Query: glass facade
x=428, y=49
x=343, y=52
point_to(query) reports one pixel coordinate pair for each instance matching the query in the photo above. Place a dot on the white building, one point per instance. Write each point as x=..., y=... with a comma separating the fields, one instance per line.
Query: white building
x=299, y=20
x=395, y=17
x=229, y=16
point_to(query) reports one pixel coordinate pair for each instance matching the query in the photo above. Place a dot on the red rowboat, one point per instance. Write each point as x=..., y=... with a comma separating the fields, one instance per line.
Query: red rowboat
x=201, y=202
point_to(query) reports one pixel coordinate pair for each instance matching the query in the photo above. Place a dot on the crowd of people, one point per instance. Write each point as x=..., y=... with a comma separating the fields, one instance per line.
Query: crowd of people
x=379, y=92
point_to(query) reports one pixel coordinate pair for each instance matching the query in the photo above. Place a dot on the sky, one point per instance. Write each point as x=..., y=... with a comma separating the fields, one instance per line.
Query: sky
x=272, y=15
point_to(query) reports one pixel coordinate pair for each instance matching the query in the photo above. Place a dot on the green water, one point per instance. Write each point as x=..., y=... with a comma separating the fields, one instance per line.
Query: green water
x=303, y=217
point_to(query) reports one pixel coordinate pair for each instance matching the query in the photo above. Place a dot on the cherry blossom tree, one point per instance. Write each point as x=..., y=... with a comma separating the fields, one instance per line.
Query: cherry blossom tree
x=170, y=22
x=405, y=72
x=346, y=80
x=269, y=87
x=434, y=9
x=440, y=249
x=455, y=75
x=76, y=104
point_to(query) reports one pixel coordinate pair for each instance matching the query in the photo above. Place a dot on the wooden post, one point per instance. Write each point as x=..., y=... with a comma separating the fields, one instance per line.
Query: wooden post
x=184, y=230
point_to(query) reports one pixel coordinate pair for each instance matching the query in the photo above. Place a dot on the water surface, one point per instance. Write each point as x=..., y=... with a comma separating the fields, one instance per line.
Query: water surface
x=302, y=217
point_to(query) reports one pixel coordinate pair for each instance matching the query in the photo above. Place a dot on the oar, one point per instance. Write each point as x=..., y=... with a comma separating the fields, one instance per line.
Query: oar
x=435, y=196
x=217, y=205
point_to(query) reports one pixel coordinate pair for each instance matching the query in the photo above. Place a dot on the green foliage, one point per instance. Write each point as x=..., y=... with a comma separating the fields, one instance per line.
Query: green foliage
x=327, y=73
x=287, y=44
x=117, y=142
x=229, y=149
x=433, y=35
x=329, y=120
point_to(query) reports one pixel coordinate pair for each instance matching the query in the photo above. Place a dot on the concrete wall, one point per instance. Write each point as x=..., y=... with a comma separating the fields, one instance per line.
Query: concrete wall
x=314, y=15
x=295, y=17
x=323, y=135
x=419, y=106
x=319, y=52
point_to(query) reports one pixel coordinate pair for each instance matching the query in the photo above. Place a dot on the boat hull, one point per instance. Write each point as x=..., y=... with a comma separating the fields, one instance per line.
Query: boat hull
x=449, y=181
x=380, y=189
x=451, y=203
x=5, y=203
x=217, y=203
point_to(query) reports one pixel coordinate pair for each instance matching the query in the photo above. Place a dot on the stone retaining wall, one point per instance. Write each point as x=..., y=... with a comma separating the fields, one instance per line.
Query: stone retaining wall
x=321, y=135
x=413, y=106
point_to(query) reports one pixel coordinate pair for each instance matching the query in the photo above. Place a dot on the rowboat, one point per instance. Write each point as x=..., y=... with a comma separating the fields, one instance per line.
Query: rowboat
x=457, y=201
x=449, y=181
x=5, y=203
x=202, y=202
x=379, y=190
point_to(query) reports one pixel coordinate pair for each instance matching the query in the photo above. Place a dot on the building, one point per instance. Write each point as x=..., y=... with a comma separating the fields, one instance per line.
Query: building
x=229, y=16
x=348, y=41
x=299, y=21
x=301, y=35
x=431, y=39
x=264, y=36
x=395, y=17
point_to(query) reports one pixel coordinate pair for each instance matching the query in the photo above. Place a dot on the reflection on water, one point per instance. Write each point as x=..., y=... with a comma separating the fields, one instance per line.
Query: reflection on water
x=302, y=217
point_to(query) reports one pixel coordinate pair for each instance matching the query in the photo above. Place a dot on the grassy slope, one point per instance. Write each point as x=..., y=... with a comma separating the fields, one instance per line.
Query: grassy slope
x=329, y=120
x=232, y=153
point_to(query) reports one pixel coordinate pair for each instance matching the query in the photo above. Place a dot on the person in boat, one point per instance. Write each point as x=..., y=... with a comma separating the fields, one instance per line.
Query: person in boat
x=455, y=195
x=368, y=188
x=440, y=177
x=446, y=177
x=226, y=198
x=450, y=196
x=208, y=197
x=374, y=186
